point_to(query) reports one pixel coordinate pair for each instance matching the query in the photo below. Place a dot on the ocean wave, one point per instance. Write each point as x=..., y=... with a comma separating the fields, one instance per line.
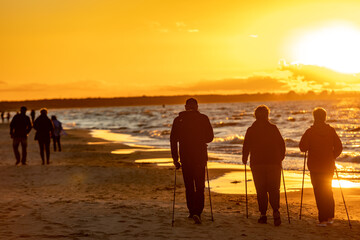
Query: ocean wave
x=354, y=129
x=236, y=139
x=291, y=142
x=224, y=124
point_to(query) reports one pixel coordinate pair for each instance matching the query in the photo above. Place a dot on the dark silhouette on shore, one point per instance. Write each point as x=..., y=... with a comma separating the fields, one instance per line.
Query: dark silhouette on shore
x=44, y=130
x=8, y=116
x=266, y=147
x=2, y=117
x=20, y=127
x=32, y=115
x=57, y=132
x=192, y=130
x=323, y=146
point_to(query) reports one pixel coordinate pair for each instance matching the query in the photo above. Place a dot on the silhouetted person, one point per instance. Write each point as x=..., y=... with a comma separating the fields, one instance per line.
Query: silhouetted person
x=32, y=115
x=57, y=132
x=2, y=117
x=44, y=130
x=8, y=116
x=20, y=127
x=323, y=146
x=192, y=130
x=266, y=147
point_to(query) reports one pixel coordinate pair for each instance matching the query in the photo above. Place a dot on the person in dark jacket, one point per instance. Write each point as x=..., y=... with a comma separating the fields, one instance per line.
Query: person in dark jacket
x=266, y=147
x=323, y=146
x=57, y=132
x=44, y=130
x=20, y=127
x=192, y=130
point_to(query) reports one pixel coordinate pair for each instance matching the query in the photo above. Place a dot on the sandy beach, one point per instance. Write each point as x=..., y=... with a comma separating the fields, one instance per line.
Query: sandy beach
x=88, y=193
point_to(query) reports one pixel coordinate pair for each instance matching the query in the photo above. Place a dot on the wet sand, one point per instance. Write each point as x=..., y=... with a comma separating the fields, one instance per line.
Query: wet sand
x=88, y=193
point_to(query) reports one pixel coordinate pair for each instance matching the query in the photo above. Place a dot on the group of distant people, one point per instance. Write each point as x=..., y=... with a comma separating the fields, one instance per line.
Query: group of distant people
x=191, y=132
x=20, y=127
x=8, y=116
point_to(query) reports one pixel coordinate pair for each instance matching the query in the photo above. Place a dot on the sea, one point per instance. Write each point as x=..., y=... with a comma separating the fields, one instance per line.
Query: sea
x=151, y=126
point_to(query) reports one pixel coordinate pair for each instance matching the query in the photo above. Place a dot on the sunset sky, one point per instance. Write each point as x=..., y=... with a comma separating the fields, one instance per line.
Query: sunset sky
x=112, y=48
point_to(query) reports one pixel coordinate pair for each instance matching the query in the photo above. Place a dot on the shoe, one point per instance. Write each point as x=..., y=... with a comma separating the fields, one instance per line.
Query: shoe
x=197, y=219
x=322, y=224
x=277, y=219
x=262, y=219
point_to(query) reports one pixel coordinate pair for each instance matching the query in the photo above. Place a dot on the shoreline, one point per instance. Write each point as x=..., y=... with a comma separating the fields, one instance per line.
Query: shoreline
x=88, y=193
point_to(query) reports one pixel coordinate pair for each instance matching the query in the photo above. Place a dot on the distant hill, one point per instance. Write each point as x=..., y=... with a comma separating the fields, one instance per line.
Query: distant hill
x=167, y=100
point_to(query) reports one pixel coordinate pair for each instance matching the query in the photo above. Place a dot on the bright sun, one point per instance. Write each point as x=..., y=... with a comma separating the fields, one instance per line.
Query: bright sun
x=336, y=47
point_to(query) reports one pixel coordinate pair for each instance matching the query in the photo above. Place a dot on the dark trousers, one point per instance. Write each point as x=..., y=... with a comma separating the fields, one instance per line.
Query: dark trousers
x=44, y=145
x=323, y=194
x=16, y=142
x=194, y=179
x=56, y=140
x=267, y=181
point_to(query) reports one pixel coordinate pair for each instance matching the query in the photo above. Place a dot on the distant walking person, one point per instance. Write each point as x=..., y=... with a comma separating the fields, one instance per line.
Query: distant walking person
x=324, y=146
x=44, y=130
x=32, y=115
x=2, y=117
x=20, y=127
x=192, y=130
x=8, y=116
x=266, y=147
x=57, y=132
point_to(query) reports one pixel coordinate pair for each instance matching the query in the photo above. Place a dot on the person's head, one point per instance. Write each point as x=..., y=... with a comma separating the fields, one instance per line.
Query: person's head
x=262, y=113
x=53, y=117
x=43, y=111
x=23, y=110
x=191, y=104
x=319, y=115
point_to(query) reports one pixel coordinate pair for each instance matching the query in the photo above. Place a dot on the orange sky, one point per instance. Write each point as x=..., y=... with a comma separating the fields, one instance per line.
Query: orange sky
x=108, y=48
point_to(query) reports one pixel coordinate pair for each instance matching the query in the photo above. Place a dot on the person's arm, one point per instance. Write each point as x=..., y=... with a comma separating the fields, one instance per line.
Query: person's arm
x=174, y=139
x=28, y=125
x=337, y=145
x=281, y=143
x=12, y=127
x=209, y=132
x=246, y=146
x=304, y=144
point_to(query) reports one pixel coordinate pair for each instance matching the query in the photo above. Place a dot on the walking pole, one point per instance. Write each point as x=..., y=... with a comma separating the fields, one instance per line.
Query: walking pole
x=207, y=173
x=337, y=175
x=246, y=195
x=287, y=205
x=173, y=213
x=302, y=187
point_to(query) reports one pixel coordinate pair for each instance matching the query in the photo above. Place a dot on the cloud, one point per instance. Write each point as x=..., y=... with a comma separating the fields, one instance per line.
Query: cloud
x=318, y=77
x=256, y=83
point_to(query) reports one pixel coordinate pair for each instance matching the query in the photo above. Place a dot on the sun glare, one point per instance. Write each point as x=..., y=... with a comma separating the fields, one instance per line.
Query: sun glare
x=336, y=47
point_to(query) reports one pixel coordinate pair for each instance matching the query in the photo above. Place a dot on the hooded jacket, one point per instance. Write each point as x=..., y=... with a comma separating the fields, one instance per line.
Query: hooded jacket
x=192, y=130
x=324, y=146
x=264, y=143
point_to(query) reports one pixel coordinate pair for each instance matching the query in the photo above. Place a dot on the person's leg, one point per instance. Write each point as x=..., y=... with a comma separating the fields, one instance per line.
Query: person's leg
x=273, y=187
x=259, y=176
x=24, y=150
x=16, y=143
x=189, y=188
x=47, y=150
x=59, y=143
x=54, y=142
x=317, y=180
x=200, y=188
x=329, y=204
x=41, y=145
